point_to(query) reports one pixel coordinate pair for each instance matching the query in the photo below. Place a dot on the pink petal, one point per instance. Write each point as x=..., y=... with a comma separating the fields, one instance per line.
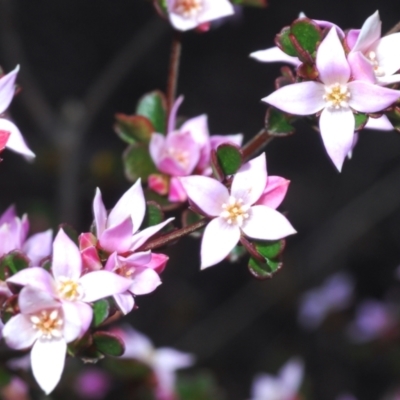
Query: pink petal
x=90, y=259
x=36, y=277
x=370, y=32
x=173, y=114
x=219, y=239
x=100, y=213
x=77, y=319
x=145, y=280
x=143, y=236
x=158, y=262
x=38, y=246
x=112, y=262
x=67, y=260
x=141, y=258
x=207, y=193
x=274, y=54
x=19, y=333
x=304, y=98
x=214, y=9
x=331, y=60
x=4, y=136
x=387, y=58
x=361, y=68
x=48, y=359
x=177, y=193
x=337, y=131
x=100, y=284
x=117, y=238
x=249, y=182
x=32, y=300
x=216, y=140
x=133, y=204
x=8, y=215
x=16, y=141
x=382, y=123
x=351, y=37
x=7, y=89
x=156, y=148
x=125, y=302
x=168, y=359
x=274, y=192
x=366, y=97
x=267, y=224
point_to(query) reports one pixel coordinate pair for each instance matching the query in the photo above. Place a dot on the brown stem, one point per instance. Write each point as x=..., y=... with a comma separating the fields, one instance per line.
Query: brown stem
x=173, y=74
x=395, y=29
x=172, y=236
x=256, y=144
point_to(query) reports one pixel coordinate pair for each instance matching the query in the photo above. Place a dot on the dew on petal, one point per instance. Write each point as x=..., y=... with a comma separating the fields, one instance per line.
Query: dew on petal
x=336, y=96
x=235, y=212
x=48, y=324
x=188, y=8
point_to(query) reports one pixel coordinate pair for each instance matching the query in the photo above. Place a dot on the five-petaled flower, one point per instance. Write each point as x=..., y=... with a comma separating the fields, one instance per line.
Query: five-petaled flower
x=248, y=208
x=335, y=97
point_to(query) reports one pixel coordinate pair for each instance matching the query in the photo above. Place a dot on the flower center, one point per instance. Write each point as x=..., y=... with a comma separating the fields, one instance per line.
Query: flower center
x=68, y=289
x=188, y=8
x=235, y=212
x=48, y=323
x=125, y=271
x=337, y=95
x=181, y=156
x=375, y=64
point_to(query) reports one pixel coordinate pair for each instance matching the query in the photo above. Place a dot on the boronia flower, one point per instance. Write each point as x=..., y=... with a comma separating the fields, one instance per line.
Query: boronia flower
x=335, y=97
x=45, y=325
x=15, y=142
x=248, y=208
x=188, y=14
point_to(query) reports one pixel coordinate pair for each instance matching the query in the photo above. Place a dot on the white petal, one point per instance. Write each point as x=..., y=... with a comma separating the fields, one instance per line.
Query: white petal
x=100, y=213
x=16, y=141
x=125, y=302
x=292, y=374
x=369, y=33
x=219, y=239
x=47, y=359
x=267, y=224
x=337, y=131
x=214, y=9
x=274, y=54
x=381, y=124
x=386, y=55
x=7, y=89
x=19, y=333
x=38, y=246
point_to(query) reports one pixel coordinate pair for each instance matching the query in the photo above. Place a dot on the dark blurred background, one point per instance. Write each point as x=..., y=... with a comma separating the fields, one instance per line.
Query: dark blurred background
x=83, y=61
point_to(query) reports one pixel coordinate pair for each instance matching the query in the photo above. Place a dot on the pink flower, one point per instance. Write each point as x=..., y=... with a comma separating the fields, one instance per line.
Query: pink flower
x=335, y=97
x=15, y=142
x=184, y=151
x=189, y=14
x=284, y=386
x=46, y=326
x=118, y=231
x=163, y=361
x=66, y=283
x=381, y=53
x=13, y=236
x=245, y=209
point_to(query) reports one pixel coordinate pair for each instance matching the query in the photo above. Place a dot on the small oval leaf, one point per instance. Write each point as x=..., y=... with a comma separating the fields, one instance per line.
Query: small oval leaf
x=153, y=106
x=138, y=163
x=108, y=343
x=229, y=158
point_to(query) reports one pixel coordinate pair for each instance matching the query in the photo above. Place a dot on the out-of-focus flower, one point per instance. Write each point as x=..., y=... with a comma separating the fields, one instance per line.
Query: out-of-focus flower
x=17, y=389
x=92, y=383
x=373, y=320
x=333, y=295
x=45, y=325
x=182, y=152
x=245, y=208
x=189, y=14
x=335, y=97
x=163, y=361
x=15, y=141
x=284, y=386
x=380, y=52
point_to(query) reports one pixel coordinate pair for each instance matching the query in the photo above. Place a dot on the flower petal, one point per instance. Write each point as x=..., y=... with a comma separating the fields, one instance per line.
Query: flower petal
x=387, y=58
x=214, y=9
x=382, y=124
x=145, y=280
x=125, y=302
x=100, y=284
x=131, y=203
x=337, y=131
x=219, y=239
x=304, y=98
x=77, y=319
x=361, y=68
x=156, y=148
x=7, y=89
x=216, y=140
x=249, y=182
x=208, y=194
x=177, y=193
x=331, y=60
x=117, y=238
x=274, y=54
x=36, y=277
x=48, y=359
x=100, y=213
x=67, y=260
x=16, y=141
x=158, y=262
x=38, y=246
x=173, y=114
x=366, y=97
x=8, y=215
x=267, y=224
x=291, y=374
x=19, y=333
x=274, y=192
x=370, y=32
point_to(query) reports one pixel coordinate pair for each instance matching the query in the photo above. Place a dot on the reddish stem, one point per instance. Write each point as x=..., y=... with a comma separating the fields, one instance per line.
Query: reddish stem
x=173, y=73
x=256, y=144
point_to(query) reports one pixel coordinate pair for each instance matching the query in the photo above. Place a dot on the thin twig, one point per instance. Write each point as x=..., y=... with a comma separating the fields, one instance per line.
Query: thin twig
x=173, y=73
x=256, y=144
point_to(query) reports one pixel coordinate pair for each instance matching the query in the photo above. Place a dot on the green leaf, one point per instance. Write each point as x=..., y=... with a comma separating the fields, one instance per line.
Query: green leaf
x=307, y=34
x=153, y=216
x=251, y=3
x=133, y=128
x=263, y=270
x=229, y=158
x=278, y=123
x=12, y=263
x=138, y=163
x=101, y=309
x=269, y=249
x=5, y=377
x=283, y=41
x=361, y=120
x=153, y=106
x=202, y=386
x=394, y=118
x=108, y=343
